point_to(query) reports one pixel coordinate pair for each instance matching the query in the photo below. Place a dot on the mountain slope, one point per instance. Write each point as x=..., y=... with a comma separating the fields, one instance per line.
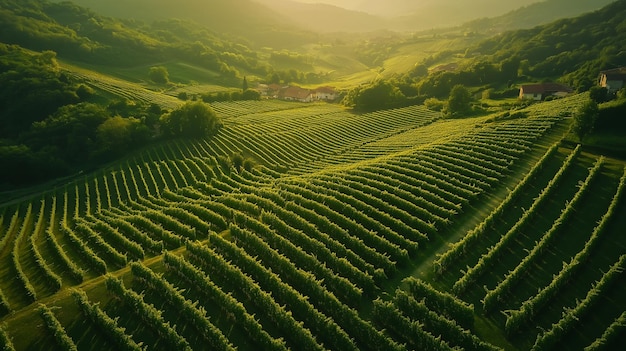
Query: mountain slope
x=521, y=14
x=395, y=8
x=446, y=12
x=323, y=18
x=537, y=14
x=576, y=49
x=244, y=18
x=485, y=16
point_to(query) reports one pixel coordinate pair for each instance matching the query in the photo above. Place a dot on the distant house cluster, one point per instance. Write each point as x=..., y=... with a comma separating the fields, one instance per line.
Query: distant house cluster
x=296, y=93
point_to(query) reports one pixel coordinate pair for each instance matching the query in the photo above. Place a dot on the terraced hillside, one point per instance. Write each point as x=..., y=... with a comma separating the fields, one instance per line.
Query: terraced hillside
x=336, y=238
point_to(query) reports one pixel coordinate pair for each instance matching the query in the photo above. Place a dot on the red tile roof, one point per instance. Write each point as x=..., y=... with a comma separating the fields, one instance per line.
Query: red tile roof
x=294, y=92
x=325, y=90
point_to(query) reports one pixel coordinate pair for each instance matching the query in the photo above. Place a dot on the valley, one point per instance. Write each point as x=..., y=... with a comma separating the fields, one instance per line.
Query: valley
x=156, y=197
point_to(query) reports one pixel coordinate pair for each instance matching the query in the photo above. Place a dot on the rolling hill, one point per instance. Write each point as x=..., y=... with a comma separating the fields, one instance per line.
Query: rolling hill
x=305, y=226
x=482, y=16
x=241, y=18
x=290, y=23
x=536, y=14
x=395, y=8
x=343, y=221
x=324, y=18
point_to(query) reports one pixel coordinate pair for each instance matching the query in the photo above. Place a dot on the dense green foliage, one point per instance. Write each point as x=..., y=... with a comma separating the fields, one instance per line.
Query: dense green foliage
x=80, y=34
x=248, y=94
x=585, y=119
x=459, y=101
x=159, y=75
x=383, y=94
x=193, y=119
x=572, y=51
x=31, y=87
x=379, y=95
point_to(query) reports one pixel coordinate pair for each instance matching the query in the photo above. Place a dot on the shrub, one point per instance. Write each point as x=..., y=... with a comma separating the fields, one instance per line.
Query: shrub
x=159, y=75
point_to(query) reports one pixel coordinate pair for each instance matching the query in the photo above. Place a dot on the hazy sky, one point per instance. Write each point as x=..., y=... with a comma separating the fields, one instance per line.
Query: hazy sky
x=334, y=2
x=342, y=3
x=379, y=7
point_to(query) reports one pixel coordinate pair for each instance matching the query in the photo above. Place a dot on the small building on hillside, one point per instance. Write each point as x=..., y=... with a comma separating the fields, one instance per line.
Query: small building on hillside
x=450, y=67
x=613, y=79
x=541, y=91
x=325, y=93
x=273, y=90
x=295, y=93
x=262, y=89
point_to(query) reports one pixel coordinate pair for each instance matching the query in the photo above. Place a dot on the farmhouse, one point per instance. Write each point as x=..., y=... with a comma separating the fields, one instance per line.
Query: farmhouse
x=541, y=91
x=263, y=89
x=325, y=93
x=295, y=93
x=613, y=80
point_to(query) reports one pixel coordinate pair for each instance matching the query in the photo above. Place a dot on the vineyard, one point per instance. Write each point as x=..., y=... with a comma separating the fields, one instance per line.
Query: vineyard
x=391, y=230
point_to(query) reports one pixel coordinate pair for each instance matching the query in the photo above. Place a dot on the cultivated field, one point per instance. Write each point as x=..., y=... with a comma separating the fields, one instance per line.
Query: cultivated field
x=390, y=230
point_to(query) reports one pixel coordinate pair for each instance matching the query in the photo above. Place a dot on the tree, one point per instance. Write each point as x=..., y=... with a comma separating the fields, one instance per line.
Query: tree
x=418, y=71
x=248, y=164
x=237, y=161
x=377, y=96
x=598, y=94
x=585, y=119
x=71, y=131
x=117, y=135
x=85, y=92
x=251, y=94
x=434, y=104
x=245, y=84
x=183, y=96
x=159, y=75
x=509, y=68
x=195, y=119
x=274, y=78
x=459, y=100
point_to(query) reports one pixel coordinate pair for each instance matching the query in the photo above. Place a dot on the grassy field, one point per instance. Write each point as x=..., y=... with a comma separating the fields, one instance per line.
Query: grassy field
x=340, y=223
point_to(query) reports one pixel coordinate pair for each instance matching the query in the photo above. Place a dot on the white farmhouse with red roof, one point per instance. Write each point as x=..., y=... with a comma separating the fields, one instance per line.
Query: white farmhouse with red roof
x=542, y=90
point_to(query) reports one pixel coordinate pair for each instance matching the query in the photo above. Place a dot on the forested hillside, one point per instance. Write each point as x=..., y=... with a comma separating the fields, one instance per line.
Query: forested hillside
x=247, y=19
x=79, y=34
x=572, y=51
x=535, y=14
x=50, y=114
